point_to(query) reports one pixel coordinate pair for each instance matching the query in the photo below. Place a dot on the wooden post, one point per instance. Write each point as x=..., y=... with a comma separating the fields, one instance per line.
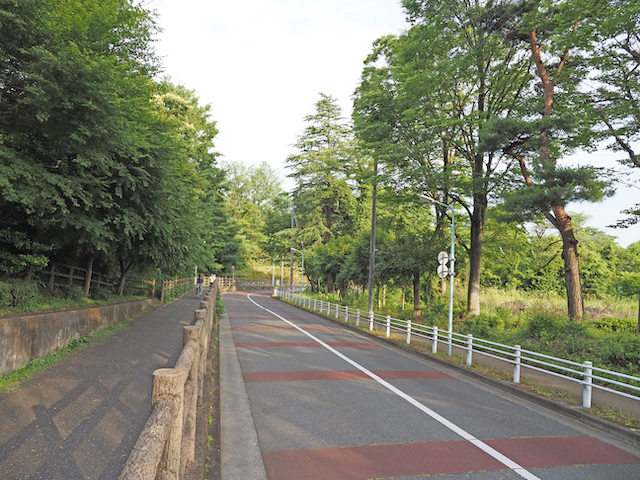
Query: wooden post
x=164, y=282
x=201, y=316
x=191, y=333
x=52, y=278
x=87, y=277
x=153, y=288
x=168, y=383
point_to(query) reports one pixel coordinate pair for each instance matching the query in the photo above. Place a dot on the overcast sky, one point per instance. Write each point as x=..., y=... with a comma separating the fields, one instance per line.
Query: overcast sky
x=261, y=64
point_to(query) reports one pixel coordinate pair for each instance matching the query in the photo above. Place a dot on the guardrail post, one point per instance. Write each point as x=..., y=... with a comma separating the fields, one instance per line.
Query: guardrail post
x=388, y=325
x=516, y=365
x=358, y=318
x=346, y=313
x=337, y=310
x=469, y=350
x=371, y=321
x=191, y=333
x=434, y=342
x=588, y=380
x=315, y=304
x=409, y=332
x=201, y=315
x=328, y=308
x=169, y=383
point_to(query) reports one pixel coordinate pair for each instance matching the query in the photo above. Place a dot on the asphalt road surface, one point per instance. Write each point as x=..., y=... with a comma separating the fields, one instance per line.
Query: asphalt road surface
x=331, y=404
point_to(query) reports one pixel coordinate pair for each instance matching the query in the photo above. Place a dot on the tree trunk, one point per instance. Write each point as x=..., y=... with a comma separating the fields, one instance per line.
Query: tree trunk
x=416, y=293
x=121, y=285
x=478, y=220
x=87, y=278
x=124, y=269
x=559, y=218
x=28, y=274
x=575, y=302
x=403, y=293
x=638, y=327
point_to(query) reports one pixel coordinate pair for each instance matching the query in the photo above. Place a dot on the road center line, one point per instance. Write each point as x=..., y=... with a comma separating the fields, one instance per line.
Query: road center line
x=451, y=426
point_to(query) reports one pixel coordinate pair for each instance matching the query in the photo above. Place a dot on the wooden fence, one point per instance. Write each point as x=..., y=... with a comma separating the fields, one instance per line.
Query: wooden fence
x=227, y=283
x=166, y=446
x=172, y=288
x=68, y=275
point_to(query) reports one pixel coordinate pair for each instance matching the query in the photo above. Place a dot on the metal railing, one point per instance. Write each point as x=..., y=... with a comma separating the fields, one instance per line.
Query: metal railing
x=585, y=374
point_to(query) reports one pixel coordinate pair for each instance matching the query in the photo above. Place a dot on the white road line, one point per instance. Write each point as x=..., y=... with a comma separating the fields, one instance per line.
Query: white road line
x=520, y=470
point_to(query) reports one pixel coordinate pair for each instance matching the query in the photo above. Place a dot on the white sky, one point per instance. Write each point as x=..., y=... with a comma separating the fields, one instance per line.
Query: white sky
x=260, y=64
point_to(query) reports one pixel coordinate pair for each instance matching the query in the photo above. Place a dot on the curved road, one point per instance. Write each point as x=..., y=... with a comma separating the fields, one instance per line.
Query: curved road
x=303, y=399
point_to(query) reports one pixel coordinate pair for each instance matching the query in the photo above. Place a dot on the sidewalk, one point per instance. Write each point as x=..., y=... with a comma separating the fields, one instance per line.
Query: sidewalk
x=79, y=419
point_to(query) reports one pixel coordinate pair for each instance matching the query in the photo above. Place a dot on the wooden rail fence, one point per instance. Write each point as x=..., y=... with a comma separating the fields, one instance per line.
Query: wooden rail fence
x=227, y=283
x=171, y=286
x=166, y=446
x=68, y=275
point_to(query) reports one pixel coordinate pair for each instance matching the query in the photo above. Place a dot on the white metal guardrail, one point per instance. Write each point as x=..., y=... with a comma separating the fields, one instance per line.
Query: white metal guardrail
x=581, y=373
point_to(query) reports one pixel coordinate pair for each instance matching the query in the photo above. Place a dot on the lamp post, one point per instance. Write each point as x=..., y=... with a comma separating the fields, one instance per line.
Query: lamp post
x=302, y=269
x=451, y=264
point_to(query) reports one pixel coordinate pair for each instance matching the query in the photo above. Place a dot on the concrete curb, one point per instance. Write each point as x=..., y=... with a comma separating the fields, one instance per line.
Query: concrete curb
x=240, y=455
x=575, y=413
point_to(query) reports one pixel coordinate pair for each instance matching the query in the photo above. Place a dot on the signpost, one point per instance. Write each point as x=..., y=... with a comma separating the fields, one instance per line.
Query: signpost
x=445, y=271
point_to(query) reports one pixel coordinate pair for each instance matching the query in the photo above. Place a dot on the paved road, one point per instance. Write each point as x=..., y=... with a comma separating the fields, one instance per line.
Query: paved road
x=79, y=419
x=307, y=400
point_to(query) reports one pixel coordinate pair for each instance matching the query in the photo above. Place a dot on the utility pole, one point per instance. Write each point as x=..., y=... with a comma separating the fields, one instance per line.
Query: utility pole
x=372, y=242
x=291, y=249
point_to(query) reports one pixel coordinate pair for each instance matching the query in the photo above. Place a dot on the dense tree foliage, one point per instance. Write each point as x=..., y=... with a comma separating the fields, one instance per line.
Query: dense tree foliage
x=326, y=173
x=98, y=160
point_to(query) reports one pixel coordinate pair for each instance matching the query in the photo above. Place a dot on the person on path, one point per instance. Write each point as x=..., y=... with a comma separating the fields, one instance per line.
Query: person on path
x=199, y=284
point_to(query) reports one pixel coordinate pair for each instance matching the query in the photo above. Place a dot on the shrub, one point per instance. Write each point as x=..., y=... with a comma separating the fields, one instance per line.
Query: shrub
x=14, y=293
x=71, y=292
x=614, y=324
x=483, y=326
x=545, y=326
x=623, y=350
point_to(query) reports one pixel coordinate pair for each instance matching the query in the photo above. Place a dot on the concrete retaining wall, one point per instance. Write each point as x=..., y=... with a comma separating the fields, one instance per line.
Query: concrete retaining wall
x=24, y=338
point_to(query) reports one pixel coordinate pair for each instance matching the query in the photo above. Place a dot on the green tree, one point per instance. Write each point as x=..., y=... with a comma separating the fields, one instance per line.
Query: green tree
x=97, y=159
x=323, y=169
x=615, y=57
x=75, y=83
x=423, y=101
x=551, y=122
x=252, y=194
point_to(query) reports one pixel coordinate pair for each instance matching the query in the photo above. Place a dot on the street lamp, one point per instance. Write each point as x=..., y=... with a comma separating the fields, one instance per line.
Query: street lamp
x=451, y=264
x=301, y=270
